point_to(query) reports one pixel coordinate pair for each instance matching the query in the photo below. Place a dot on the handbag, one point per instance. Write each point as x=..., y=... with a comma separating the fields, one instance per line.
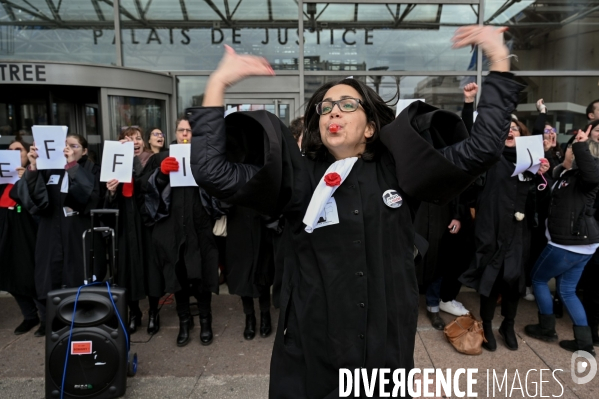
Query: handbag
x=466, y=335
x=220, y=227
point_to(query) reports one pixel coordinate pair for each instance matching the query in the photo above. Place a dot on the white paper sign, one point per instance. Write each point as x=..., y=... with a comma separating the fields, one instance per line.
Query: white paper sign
x=50, y=142
x=117, y=161
x=403, y=104
x=529, y=151
x=183, y=177
x=9, y=162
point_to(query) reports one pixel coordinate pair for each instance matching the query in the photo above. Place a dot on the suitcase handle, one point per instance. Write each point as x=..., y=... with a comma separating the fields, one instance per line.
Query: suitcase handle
x=102, y=229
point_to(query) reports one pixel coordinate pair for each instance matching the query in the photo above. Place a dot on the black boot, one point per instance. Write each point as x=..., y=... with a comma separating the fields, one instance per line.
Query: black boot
x=41, y=332
x=545, y=330
x=250, y=326
x=153, y=322
x=436, y=320
x=594, y=335
x=582, y=341
x=491, y=344
x=185, y=325
x=265, y=324
x=134, y=322
x=206, y=329
x=506, y=330
x=26, y=326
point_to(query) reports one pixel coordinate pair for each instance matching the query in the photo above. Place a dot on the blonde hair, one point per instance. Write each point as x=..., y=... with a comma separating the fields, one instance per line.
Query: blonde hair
x=594, y=148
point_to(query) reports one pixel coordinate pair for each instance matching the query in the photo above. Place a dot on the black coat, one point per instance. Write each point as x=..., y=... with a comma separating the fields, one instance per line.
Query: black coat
x=571, y=214
x=58, y=251
x=132, y=261
x=349, y=294
x=182, y=230
x=501, y=241
x=18, y=232
x=249, y=254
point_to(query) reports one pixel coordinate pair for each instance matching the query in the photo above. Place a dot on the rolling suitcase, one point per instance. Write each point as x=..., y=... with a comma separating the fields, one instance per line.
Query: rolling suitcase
x=87, y=343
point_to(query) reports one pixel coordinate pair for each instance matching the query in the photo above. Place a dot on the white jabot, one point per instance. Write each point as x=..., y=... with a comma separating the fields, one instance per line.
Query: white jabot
x=323, y=193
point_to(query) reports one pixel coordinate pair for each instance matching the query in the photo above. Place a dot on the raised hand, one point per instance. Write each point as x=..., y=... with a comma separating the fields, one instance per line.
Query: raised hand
x=581, y=136
x=470, y=91
x=69, y=153
x=541, y=107
x=489, y=39
x=232, y=68
x=111, y=185
x=169, y=165
x=32, y=155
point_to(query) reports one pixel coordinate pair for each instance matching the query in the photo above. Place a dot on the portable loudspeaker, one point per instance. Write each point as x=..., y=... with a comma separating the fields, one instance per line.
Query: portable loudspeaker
x=97, y=358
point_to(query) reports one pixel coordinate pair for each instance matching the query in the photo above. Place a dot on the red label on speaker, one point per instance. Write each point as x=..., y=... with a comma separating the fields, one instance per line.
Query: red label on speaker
x=81, y=348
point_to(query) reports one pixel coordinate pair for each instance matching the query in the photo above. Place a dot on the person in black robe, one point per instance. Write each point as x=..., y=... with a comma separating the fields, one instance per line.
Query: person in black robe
x=182, y=237
x=62, y=199
x=350, y=296
x=250, y=265
x=504, y=219
x=18, y=231
x=134, y=271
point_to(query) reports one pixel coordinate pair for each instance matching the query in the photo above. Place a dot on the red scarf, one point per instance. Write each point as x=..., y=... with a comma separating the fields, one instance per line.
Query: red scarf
x=5, y=200
x=128, y=190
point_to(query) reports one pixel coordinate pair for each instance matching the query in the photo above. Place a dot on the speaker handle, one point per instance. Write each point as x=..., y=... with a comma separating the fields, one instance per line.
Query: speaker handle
x=104, y=229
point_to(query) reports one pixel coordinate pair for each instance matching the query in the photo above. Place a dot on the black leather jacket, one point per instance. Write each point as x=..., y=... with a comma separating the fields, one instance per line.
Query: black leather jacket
x=571, y=213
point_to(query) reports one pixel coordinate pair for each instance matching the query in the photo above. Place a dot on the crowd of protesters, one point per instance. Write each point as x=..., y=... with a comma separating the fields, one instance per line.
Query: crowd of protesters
x=505, y=236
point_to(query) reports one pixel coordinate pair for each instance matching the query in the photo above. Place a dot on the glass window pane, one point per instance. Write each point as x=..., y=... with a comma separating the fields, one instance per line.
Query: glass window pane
x=355, y=37
x=557, y=35
x=201, y=49
x=566, y=98
x=441, y=91
x=136, y=111
x=29, y=30
x=190, y=91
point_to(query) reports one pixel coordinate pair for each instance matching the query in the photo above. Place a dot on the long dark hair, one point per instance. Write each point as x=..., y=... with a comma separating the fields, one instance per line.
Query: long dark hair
x=377, y=112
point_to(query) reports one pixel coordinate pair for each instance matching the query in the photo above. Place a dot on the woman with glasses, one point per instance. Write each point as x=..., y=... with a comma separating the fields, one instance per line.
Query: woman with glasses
x=349, y=297
x=504, y=217
x=18, y=232
x=182, y=239
x=62, y=199
x=155, y=140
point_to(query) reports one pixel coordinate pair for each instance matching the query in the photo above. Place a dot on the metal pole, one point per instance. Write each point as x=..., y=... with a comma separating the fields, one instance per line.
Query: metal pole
x=117, y=32
x=301, y=56
x=479, y=59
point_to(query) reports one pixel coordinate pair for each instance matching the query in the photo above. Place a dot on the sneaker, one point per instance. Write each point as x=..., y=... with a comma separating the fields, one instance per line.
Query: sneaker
x=529, y=295
x=453, y=307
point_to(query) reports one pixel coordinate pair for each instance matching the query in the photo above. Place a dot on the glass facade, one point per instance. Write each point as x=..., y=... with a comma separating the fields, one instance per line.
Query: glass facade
x=401, y=48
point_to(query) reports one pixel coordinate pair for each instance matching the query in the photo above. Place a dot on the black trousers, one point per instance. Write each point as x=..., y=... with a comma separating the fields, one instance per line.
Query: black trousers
x=510, y=295
x=30, y=306
x=263, y=300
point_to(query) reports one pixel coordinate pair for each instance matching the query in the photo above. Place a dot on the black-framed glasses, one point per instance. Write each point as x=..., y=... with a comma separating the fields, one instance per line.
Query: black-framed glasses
x=345, y=105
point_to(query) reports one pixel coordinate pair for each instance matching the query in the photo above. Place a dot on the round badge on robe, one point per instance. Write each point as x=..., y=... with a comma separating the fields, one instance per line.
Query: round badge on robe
x=392, y=199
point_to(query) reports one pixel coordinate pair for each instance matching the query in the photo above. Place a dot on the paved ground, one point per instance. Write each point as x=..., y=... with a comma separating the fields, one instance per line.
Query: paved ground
x=233, y=368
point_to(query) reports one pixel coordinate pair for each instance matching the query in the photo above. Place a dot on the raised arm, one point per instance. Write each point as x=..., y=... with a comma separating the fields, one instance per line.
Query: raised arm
x=212, y=170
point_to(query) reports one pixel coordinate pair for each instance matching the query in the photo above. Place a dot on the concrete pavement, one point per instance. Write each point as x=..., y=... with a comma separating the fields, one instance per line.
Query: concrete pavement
x=234, y=368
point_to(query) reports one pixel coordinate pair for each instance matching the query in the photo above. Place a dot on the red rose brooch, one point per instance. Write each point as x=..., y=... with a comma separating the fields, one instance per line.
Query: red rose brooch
x=332, y=179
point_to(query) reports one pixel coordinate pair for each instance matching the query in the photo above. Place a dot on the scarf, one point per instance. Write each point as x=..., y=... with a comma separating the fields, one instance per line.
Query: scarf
x=333, y=177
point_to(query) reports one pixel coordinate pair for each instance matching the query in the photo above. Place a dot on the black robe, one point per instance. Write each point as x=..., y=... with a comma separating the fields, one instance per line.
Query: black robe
x=349, y=294
x=182, y=230
x=18, y=231
x=501, y=241
x=250, y=252
x=131, y=263
x=58, y=250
